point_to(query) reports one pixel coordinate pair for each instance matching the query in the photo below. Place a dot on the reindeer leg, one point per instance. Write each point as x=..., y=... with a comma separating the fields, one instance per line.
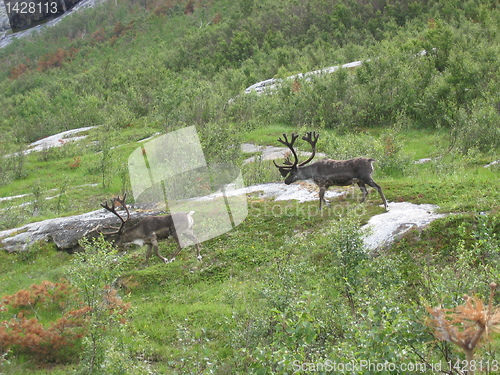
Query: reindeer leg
x=379, y=189
x=362, y=186
x=175, y=254
x=193, y=238
x=322, y=191
x=198, y=251
x=179, y=248
x=154, y=244
x=148, y=253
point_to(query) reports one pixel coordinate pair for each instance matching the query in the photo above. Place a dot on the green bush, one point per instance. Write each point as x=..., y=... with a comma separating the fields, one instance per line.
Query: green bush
x=93, y=272
x=387, y=150
x=476, y=130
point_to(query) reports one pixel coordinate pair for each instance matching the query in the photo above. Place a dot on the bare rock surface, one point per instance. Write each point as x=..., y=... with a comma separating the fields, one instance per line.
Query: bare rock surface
x=6, y=38
x=383, y=229
x=495, y=162
x=273, y=83
x=64, y=232
x=302, y=192
x=58, y=140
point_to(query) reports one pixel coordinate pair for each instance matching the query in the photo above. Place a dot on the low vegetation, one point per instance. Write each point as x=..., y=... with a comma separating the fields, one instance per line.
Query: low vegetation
x=289, y=290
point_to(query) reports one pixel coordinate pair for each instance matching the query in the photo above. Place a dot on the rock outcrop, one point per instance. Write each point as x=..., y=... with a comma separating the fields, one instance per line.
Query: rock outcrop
x=24, y=14
x=64, y=232
x=384, y=228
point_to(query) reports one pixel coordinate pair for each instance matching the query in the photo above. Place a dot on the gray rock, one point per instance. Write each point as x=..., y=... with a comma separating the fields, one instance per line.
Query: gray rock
x=64, y=232
x=383, y=229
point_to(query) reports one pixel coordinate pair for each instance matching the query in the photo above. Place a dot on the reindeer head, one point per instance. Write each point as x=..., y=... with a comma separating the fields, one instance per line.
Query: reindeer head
x=119, y=231
x=289, y=169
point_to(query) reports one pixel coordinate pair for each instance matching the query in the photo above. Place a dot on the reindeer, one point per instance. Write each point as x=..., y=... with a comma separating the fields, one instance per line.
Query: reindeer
x=153, y=228
x=328, y=172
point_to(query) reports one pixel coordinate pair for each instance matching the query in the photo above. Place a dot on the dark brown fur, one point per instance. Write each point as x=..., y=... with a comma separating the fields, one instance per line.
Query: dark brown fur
x=328, y=172
x=153, y=228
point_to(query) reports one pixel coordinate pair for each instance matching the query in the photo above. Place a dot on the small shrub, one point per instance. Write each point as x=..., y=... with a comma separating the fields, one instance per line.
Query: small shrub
x=99, y=36
x=189, y=9
x=19, y=70
x=476, y=130
x=217, y=18
x=75, y=163
x=54, y=341
x=260, y=171
x=93, y=272
x=56, y=59
x=467, y=325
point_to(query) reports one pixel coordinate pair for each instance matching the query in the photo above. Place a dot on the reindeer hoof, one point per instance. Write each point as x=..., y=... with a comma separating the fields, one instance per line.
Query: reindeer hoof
x=199, y=258
x=171, y=260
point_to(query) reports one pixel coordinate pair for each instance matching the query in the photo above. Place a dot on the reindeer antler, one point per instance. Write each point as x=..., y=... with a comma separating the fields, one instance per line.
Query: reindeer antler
x=288, y=164
x=311, y=138
x=112, y=209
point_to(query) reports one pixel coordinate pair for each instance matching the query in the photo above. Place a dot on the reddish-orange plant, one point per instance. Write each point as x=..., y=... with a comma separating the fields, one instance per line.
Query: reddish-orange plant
x=18, y=71
x=56, y=59
x=55, y=340
x=466, y=325
x=189, y=9
x=75, y=163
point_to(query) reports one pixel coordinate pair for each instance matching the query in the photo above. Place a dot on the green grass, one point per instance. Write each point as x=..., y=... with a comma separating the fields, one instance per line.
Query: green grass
x=288, y=283
x=189, y=310
x=265, y=136
x=186, y=297
x=423, y=143
x=19, y=271
x=454, y=182
x=185, y=308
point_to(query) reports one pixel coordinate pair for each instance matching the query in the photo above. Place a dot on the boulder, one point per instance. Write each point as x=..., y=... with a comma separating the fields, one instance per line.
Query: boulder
x=24, y=14
x=383, y=229
x=64, y=232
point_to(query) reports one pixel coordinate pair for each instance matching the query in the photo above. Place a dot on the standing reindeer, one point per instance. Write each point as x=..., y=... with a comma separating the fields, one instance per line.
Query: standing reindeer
x=328, y=172
x=153, y=228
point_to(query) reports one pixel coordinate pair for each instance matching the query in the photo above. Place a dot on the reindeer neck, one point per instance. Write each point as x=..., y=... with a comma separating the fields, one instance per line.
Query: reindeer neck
x=307, y=172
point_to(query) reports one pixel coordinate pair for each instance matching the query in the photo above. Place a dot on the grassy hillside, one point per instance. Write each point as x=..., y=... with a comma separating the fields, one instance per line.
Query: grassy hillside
x=288, y=290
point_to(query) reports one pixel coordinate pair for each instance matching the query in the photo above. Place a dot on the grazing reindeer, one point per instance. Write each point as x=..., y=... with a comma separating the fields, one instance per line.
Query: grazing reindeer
x=153, y=228
x=328, y=172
